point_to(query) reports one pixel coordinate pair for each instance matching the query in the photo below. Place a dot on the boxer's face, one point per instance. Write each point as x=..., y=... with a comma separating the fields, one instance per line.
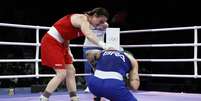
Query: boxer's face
x=98, y=20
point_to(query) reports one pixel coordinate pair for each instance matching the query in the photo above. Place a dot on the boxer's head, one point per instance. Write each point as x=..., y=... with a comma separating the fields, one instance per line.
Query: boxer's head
x=98, y=16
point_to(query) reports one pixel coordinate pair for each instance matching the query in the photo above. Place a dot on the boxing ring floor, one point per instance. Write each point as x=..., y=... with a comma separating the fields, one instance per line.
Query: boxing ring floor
x=140, y=95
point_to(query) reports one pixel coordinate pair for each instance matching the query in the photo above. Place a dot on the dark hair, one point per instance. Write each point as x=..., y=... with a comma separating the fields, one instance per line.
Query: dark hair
x=99, y=11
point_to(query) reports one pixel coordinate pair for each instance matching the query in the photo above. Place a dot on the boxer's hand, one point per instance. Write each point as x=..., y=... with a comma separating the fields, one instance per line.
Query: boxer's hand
x=134, y=82
x=70, y=53
x=110, y=47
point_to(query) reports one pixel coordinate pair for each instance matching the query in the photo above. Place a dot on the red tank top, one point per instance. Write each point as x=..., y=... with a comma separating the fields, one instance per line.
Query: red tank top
x=66, y=29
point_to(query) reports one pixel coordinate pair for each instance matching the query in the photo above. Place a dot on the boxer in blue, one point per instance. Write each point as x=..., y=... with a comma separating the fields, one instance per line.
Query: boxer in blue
x=110, y=69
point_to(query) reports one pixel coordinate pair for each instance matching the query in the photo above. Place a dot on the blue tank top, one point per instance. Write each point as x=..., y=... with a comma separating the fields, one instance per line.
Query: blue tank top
x=115, y=61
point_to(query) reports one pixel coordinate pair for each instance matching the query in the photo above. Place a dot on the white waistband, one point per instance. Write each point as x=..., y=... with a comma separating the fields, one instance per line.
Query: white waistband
x=108, y=75
x=55, y=34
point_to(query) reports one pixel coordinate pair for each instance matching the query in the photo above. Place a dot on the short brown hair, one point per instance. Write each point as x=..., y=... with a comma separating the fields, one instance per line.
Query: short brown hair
x=99, y=11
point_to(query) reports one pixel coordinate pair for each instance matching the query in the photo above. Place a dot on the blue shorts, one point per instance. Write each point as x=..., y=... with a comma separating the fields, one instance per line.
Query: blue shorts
x=112, y=89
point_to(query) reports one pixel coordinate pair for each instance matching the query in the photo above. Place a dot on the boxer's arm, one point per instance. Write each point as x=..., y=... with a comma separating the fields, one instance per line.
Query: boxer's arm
x=69, y=50
x=80, y=21
x=134, y=79
x=92, y=56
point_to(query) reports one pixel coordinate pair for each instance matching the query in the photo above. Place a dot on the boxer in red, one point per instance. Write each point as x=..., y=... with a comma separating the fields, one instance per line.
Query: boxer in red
x=55, y=51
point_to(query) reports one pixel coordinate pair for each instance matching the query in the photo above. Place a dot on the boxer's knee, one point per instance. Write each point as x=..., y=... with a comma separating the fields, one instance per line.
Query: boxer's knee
x=61, y=73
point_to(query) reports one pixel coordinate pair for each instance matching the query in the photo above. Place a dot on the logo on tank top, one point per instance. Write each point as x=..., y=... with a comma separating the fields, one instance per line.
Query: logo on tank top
x=58, y=65
x=117, y=54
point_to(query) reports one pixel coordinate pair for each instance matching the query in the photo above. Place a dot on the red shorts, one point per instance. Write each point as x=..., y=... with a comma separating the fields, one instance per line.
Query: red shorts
x=53, y=53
